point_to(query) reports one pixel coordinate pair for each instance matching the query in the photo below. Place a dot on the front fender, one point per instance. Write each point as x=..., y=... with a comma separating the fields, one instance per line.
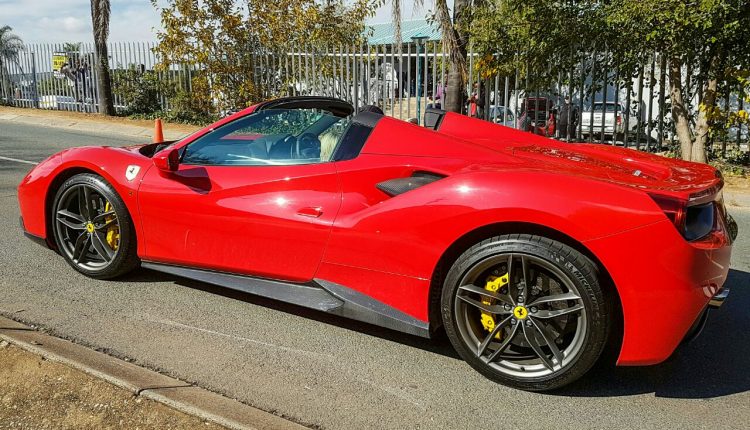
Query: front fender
x=37, y=189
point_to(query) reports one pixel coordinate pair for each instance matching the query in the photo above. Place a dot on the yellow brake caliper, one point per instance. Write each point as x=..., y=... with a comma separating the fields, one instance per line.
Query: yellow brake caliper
x=113, y=231
x=494, y=283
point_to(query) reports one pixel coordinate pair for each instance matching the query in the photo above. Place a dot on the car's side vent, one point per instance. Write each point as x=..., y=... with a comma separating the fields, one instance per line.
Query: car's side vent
x=394, y=187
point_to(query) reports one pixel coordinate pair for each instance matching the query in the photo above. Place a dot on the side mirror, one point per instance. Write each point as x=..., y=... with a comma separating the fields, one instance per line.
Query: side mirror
x=167, y=160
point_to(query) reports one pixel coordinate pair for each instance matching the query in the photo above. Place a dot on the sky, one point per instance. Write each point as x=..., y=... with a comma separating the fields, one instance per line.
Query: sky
x=57, y=21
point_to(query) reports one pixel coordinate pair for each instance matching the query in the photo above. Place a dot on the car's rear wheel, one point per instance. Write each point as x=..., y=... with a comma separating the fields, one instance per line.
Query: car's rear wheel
x=526, y=311
x=92, y=228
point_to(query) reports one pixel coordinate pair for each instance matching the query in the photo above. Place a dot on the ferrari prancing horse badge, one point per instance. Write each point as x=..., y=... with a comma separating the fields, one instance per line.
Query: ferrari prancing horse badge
x=131, y=172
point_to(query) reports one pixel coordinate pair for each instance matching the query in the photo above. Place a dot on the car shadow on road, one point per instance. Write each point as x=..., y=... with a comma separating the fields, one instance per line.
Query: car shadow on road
x=713, y=365
x=439, y=344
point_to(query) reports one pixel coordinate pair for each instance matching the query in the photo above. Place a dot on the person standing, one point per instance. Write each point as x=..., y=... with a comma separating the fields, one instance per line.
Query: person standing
x=567, y=121
x=476, y=101
x=439, y=92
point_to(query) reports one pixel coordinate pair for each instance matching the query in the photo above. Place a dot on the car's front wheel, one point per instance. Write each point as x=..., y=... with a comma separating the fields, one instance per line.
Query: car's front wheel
x=526, y=311
x=92, y=227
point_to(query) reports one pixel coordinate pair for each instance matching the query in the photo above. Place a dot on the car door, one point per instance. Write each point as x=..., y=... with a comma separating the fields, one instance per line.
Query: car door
x=252, y=197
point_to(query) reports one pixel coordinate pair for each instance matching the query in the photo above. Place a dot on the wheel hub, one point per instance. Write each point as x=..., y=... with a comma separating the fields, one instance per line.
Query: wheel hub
x=520, y=312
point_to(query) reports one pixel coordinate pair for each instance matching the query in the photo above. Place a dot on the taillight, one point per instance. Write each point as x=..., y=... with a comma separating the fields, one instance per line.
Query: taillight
x=619, y=120
x=673, y=208
x=693, y=222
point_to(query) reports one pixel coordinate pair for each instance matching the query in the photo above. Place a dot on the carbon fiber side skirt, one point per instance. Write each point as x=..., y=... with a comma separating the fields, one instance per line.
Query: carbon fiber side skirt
x=319, y=294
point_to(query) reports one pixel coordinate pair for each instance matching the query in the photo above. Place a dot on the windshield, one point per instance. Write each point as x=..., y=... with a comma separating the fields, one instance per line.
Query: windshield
x=271, y=136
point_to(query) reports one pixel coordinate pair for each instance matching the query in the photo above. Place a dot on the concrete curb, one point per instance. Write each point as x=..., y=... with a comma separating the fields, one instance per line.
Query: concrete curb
x=143, y=382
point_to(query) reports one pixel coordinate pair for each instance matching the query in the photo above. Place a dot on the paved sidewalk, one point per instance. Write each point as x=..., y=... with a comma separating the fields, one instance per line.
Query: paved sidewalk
x=92, y=123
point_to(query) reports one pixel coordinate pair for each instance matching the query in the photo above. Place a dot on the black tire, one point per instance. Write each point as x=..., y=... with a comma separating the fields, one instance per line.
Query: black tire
x=122, y=256
x=591, y=322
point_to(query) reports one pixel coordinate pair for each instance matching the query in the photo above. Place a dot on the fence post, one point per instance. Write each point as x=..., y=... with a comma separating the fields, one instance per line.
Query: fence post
x=35, y=92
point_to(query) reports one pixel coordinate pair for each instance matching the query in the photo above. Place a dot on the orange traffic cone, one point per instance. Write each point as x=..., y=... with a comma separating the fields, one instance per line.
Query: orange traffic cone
x=158, y=134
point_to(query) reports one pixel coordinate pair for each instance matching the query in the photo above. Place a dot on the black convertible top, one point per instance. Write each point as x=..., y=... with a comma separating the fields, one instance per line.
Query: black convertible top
x=337, y=107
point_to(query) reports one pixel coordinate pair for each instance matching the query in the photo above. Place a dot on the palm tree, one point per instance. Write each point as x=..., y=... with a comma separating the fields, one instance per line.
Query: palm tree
x=100, y=11
x=455, y=45
x=10, y=46
x=71, y=47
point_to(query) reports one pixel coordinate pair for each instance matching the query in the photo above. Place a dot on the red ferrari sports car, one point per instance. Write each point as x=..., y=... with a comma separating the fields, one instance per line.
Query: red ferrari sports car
x=533, y=255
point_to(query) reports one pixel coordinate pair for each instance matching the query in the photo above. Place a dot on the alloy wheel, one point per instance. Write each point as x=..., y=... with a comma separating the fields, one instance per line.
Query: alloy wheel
x=520, y=315
x=88, y=227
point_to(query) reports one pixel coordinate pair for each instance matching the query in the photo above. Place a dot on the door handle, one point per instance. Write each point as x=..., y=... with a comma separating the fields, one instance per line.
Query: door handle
x=313, y=212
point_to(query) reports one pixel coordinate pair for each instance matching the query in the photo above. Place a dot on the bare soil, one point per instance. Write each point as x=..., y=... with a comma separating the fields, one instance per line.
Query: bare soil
x=39, y=394
x=738, y=184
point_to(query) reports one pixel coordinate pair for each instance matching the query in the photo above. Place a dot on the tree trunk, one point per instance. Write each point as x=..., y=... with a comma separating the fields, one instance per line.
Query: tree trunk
x=5, y=92
x=454, y=91
x=707, y=105
x=680, y=114
x=454, y=94
x=103, y=80
x=701, y=124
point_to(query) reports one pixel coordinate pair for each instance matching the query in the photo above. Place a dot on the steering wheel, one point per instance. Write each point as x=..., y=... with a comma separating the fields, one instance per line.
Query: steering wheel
x=307, y=142
x=289, y=142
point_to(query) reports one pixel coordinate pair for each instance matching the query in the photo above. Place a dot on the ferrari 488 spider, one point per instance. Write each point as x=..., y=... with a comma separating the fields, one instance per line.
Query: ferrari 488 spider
x=534, y=256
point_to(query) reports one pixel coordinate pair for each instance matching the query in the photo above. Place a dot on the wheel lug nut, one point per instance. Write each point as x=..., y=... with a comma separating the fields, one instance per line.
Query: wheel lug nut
x=513, y=321
x=520, y=299
x=507, y=307
x=528, y=323
x=533, y=309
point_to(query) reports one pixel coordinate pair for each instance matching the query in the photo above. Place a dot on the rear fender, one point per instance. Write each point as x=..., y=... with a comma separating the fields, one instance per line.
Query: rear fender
x=407, y=235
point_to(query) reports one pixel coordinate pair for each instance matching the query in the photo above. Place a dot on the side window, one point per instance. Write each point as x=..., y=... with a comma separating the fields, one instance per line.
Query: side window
x=269, y=137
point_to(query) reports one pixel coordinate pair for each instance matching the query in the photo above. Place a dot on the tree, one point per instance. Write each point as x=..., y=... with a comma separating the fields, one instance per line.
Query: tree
x=704, y=41
x=71, y=47
x=708, y=36
x=100, y=13
x=222, y=39
x=10, y=46
x=454, y=37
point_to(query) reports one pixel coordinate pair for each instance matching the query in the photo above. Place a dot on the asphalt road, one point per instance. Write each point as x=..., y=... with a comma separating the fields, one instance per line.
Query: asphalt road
x=339, y=374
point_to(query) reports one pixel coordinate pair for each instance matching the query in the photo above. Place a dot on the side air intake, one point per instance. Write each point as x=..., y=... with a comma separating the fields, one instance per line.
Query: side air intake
x=394, y=187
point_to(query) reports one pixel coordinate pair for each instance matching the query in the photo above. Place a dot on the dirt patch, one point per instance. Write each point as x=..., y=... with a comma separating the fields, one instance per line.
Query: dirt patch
x=737, y=184
x=39, y=394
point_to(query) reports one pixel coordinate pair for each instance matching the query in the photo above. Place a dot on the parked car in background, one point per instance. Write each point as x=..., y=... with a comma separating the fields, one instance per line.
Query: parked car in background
x=502, y=115
x=738, y=134
x=614, y=117
x=537, y=116
x=58, y=102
